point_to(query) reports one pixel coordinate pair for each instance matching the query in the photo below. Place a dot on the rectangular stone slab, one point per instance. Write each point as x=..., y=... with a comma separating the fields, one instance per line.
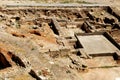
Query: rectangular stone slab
x=95, y=44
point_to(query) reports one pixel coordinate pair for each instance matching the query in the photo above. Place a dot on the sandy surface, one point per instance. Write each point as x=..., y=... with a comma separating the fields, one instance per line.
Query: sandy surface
x=107, y=2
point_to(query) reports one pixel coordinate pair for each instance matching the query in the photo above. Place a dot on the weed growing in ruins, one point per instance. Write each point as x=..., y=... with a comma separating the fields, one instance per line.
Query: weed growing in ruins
x=83, y=2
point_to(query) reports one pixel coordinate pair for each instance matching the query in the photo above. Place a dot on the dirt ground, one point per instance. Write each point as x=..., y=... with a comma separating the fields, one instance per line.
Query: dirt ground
x=107, y=2
x=35, y=51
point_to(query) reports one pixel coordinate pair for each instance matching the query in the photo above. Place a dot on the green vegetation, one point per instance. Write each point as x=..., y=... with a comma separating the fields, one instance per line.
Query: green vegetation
x=62, y=1
x=84, y=2
x=108, y=66
x=67, y=1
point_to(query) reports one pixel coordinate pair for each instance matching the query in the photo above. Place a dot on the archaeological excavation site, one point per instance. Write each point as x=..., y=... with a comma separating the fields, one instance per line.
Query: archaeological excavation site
x=59, y=42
